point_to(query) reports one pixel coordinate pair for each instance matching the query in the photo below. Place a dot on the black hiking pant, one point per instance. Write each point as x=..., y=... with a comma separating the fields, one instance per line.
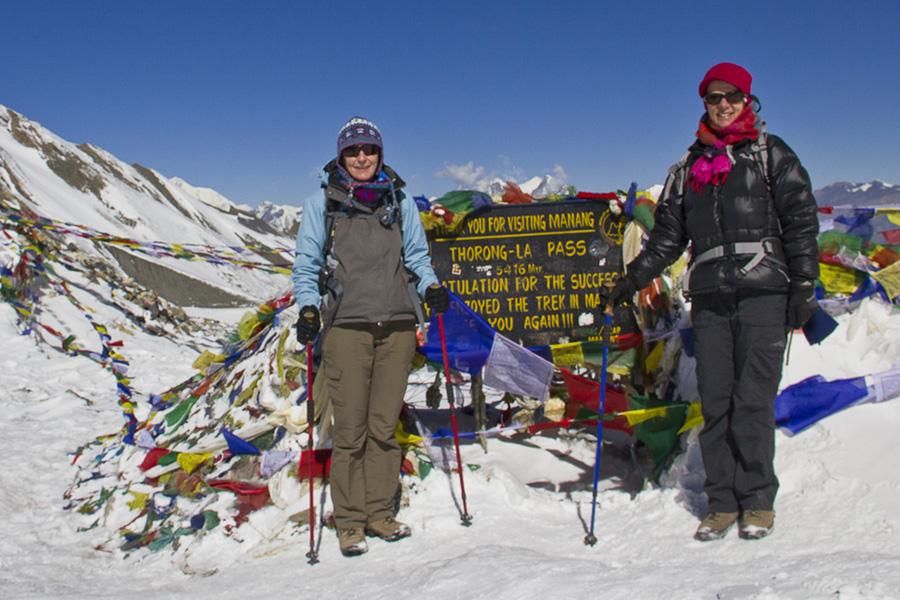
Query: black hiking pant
x=739, y=345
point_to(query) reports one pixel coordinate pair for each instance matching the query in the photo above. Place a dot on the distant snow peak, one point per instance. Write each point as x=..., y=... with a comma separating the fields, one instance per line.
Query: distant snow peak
x=283, y=218
x=871, y=194
x=471, y=177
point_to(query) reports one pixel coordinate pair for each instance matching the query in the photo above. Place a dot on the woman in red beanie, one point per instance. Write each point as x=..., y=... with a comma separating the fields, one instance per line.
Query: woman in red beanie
x=744, y=202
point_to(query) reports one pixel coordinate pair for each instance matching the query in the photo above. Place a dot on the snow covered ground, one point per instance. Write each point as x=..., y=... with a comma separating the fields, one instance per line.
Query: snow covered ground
x=837, y=528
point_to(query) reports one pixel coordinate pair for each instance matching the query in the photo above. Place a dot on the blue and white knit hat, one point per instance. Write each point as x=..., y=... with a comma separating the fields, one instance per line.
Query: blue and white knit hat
x=358, y=131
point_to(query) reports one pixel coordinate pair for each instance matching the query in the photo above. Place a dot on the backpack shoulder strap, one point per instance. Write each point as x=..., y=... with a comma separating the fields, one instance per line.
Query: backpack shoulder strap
x=329, y=262
x=679, y=168
x=760, y=150
x=329, y=229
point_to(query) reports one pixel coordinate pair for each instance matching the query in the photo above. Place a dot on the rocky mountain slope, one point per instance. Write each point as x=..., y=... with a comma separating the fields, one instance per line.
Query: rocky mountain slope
x=180, y=233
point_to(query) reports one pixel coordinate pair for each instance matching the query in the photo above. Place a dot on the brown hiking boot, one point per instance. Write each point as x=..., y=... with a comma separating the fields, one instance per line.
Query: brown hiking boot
x=352, y=541
x=389, y=529
x=715, y=525
x=756, y=524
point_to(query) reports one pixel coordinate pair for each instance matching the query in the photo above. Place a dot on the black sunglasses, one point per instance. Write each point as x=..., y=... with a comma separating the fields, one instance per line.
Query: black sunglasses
x=367, y=149
x=735, y=97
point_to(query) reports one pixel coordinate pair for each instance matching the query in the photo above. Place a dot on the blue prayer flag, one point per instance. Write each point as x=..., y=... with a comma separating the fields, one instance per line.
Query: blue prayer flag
x=238, y=446
x=806, y=402
x=819, y=327
x=469, y=338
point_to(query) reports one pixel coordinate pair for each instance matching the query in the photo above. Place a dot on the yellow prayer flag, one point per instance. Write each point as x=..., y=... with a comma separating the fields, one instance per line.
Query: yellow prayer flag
x=247, y=324
x=140, y=500
x=678, y=268
x=640, y=415
x=206, y=359
x=404, y=438
x=246, y=393
x=892, y=214
x=654, y=359
x=838, y=280
x=567, y=355
x=889, y=278
x=694, y=418
x=189, y=461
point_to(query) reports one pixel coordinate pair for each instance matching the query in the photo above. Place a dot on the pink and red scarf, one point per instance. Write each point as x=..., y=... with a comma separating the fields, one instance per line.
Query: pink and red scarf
x=714, y=165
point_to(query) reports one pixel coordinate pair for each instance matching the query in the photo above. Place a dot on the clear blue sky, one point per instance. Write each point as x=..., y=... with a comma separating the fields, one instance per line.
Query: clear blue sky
x=247, y=97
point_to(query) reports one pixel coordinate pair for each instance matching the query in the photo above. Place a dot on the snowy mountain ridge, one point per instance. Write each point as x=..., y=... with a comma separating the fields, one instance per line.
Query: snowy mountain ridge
x=88, y=186
x=872, y=194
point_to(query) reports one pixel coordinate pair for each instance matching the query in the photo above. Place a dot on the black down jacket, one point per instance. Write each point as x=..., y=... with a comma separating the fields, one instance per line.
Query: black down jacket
x=739, y=210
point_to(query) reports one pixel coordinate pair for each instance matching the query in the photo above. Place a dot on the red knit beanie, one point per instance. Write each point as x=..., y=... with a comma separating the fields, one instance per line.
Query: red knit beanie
x=731, y=73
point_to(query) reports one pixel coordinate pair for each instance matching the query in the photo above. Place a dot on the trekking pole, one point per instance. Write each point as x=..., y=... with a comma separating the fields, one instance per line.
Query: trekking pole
x=787, y=354
x=466, y=517
x=590, y=539
x=312, y=555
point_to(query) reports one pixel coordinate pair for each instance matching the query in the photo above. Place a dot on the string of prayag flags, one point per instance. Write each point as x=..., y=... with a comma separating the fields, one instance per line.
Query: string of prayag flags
x=228, y=255
x=474, y=347
x=18, y=288
x=859, y=250
x=193, y=464
x=185, y=454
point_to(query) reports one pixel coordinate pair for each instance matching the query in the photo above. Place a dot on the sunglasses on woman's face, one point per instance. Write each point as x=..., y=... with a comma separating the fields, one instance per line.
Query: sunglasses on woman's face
x=735, y=97
x=367, y=149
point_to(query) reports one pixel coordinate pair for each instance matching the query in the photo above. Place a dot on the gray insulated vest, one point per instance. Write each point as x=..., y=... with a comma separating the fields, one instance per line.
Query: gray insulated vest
x=369, y=269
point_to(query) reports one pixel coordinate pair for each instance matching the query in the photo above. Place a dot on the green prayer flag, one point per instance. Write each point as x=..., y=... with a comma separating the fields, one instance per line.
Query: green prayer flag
x=179, y=414
x=659, y=434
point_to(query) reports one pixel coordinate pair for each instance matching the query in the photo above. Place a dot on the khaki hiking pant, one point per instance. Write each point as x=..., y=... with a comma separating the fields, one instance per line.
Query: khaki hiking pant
x=367, y=367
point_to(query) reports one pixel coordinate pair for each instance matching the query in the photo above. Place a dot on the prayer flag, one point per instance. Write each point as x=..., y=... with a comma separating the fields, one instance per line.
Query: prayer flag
x=807, y=402
x=469, y=338
x=236, y=445
x=320, y=460
x=515, y=369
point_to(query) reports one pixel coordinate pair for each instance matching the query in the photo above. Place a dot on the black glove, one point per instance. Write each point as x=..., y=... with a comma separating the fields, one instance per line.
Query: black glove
x=437, y=298
x=623, y=291
x=308, y=324
x=802, y=304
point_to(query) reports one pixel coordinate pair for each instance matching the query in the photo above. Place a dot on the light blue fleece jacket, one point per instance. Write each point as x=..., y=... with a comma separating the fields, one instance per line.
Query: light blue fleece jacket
x=309, y=259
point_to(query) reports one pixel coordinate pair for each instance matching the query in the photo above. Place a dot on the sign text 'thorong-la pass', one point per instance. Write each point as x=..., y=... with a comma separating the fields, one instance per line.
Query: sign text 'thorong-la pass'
x=533, y=271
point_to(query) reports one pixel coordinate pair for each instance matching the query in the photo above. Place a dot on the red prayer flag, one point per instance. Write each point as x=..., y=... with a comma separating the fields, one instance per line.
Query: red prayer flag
x=581, y=389
x=597, y=195
x=247, y=503
x=152, y=458
x=321, y=463
x=892, y=236
x=240, y=488
x=586, y=392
